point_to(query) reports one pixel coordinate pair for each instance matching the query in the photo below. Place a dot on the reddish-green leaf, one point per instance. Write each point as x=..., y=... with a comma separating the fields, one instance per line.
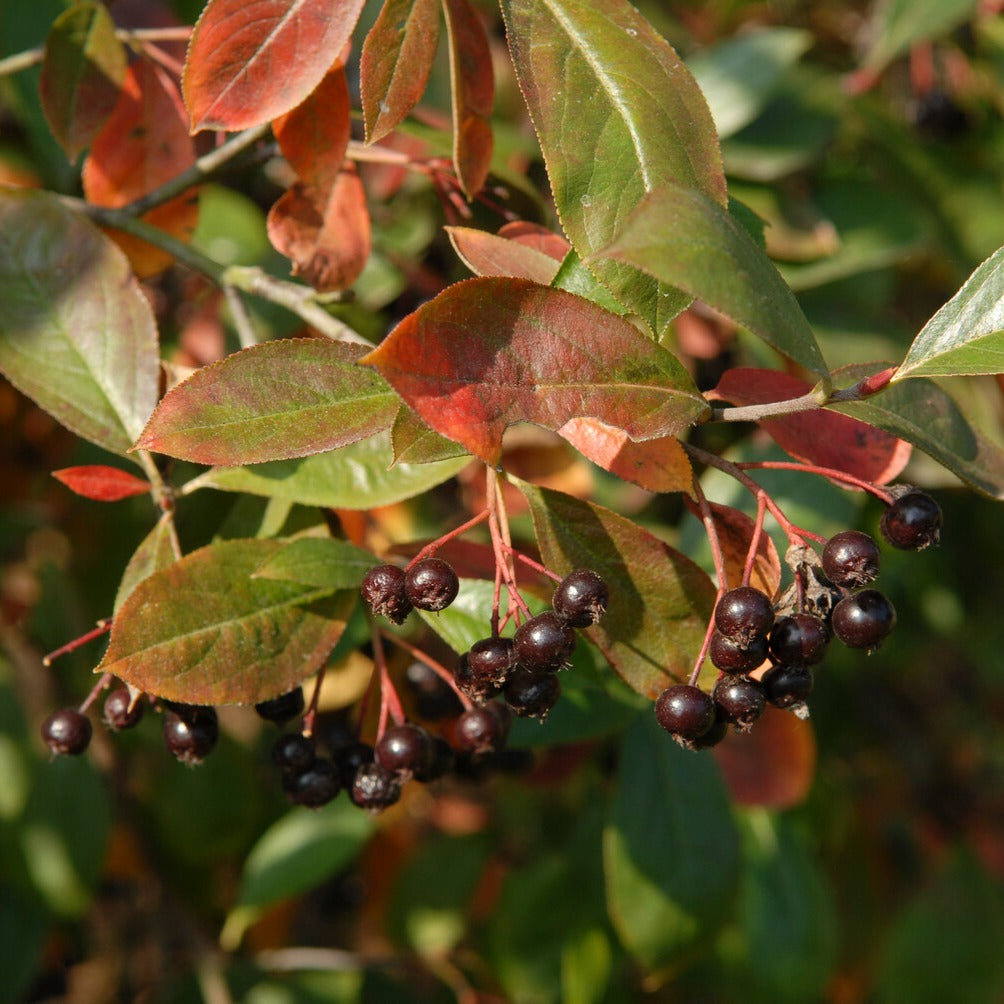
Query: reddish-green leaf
x=250, y=61
x=490, y=352
x=488, y=254
x=415, y=443
x=473, y=89
x=82, y=71
x=617, y=114
x=313, y=137
x=280, y=399
x=325, y=232
x=538, y=237
x=76, y=332
x=819, y=437
x=103, y=484
x=318, y=561
x=657, y=465
x=682, y=237
x=660, y=601
x=205, y=631
x=397, y=59
x=156, y=551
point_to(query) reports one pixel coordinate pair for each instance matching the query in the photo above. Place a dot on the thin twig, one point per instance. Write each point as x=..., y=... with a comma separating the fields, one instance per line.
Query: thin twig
x=246, y=334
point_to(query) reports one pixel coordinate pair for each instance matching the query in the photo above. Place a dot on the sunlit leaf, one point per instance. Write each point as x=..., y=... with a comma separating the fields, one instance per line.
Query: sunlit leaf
x=536, y=236
x=76, y=333
x=490, y=352
x=319, y=561
x=966, y=336
x=489, y=254
x=249, y=62
x=280, y=399
x=204, y=630
x=156, y=551
x=574, y=277
x=415, y=443
x=617, y=115
x=82, y=71
x=101, y=483
x=396, y=61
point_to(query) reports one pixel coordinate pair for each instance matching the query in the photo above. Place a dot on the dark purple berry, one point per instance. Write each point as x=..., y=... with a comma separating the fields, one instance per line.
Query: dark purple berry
x=440, y=761
x=581, y=598
x=685, y=711
x=478, y=691
x=799, y=638
x=374, y=787
x=67, y=732
x=293, y=752
x=731, y=657
x=385, y=593
x=431, y=584
x=744, y=613
x=404, y=748
x=912, y=522
x=787, y=686
x=435, y=699
x=739, y=700
x=531, y=695
x=190, y=732
x=283, y=708
x=718, y=731
x=863, y=619
x=490, y=660
x=120, y=711
x=850, y=558
x=349, y=758
x=479, y=730
x=543, y=643
x=313, y=787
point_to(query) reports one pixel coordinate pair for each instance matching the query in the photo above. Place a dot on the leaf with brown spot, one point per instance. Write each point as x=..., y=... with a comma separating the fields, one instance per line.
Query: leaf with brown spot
x=101, y=483
x=491, y=254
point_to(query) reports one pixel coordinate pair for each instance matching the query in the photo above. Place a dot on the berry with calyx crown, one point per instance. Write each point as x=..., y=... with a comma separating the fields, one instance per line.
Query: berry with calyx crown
x=67, y=732
x=851, y=558
x=374, y=787
x=739, y=700
x=490, y=660
x=581, y=598
x=744, y=613
x=543, y=643
x=863, y=619
x=799, y=638
x=383, y=588
x=912, y=522
x=120, y=711
x=431, y=584
x=685, y=711
x=190, y=732
x=531, y=695
x=787, y=686
x=729, y=656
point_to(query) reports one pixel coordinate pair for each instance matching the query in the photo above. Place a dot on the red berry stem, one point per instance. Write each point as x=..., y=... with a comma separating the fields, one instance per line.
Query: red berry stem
x=311, y=713
x=437, y=667
x=102, y=683
x=498, y=526
x=708, y=519
x=706, y=644
x=535, y=565
x=455, y=532
x=103, y=627
x=827, y=472
x=761, y=512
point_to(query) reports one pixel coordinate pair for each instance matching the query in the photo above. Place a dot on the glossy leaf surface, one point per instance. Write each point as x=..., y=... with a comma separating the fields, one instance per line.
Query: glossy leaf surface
x=204, y=630
x=319, y=561
x=490, y=254
x=101, y=483
x=660, y=600
x=280, y=399
x=490, y=352
x=617, y=115
x=249, y=62
x=76, y=333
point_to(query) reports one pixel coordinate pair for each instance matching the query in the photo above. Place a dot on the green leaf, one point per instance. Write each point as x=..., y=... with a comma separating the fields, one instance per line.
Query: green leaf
x=288, y=398
x=660, y=601
x=415, y=443
x=617, y=115
x=966, y=336
x=738, y=76
x=319, y=561
x=358, y=476
x=156, y=551
x=295, y=854
x=76, y=334
x=573, y=277
x=671, y=849
x=684, y=238
x=466, y=619
x=897, y=25
x=205, y=631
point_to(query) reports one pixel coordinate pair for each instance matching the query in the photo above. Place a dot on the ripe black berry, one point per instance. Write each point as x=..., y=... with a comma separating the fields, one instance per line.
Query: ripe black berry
x=349, y=758
x=431, y=584
x=478, y=691
x=851, y=558
x=67, y=732
x=731, y=657
x=404, y=748
x=863, y=619
x=313, y=787
x=912, y=522
x=282, y=708
x=739, y=700
x=544, y=642
x=685, y=711
x=434, y=697
x=786, y=686
x=374, y=787
x=440, y=762
x=490, y=660
x=743, y=614
x=718, y=731
x=384, y=591
x=531, y=695
x=479, y=730
x=293, y=752
x=190, y=732
x=581, y=598
x=120, y=712
x=799, y=638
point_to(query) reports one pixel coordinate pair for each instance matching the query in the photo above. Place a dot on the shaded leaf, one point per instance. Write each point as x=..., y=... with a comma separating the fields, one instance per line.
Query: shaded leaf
x=397, y=59
x=103, y=484
x=899, y=24
x=660, y=601
x=280, y=399
x=671, y=849
x=966, y=336
x=76, y=333
x=617, y=115
x=684, y=238
x=415, y=443
x=156, y=551
x=657, y=465
x=82, y=71
x=319, y=561
x=248, y=63
x=821, y=436
x=205, y=631
x=490, y=254
x=490, y=352
x=325, y=232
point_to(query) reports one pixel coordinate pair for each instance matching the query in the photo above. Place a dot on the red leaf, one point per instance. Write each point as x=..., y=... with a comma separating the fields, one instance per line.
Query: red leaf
x=396, y=62
x=488, y=254
x=313, y=137
x=824, y=438
x=143, y=144
x=325, y=233
x=103, y=484
x=490, y=352
x=536, y=236
x=473, y=88
x=250, y=61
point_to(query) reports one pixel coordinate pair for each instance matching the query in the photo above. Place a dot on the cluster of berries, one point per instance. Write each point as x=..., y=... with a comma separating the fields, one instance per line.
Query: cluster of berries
x=792, y=636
